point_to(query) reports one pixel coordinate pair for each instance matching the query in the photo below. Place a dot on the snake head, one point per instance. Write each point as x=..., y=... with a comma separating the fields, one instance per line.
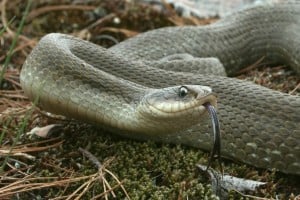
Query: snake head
x=175, y=108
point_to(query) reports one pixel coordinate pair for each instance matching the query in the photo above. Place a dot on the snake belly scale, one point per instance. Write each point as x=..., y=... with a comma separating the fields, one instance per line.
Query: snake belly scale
x=138, y=88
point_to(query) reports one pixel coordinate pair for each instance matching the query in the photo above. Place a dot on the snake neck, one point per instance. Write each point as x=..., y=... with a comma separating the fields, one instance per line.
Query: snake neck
x=76, y=89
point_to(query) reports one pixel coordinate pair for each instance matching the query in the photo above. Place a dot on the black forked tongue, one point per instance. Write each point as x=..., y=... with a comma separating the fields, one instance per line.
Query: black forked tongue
x=216, y=150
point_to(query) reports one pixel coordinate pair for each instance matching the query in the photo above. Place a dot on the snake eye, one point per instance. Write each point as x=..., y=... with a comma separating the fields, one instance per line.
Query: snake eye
x=182, y=91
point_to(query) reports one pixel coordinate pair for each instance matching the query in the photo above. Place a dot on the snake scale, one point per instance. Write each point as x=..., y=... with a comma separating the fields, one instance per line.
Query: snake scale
x=153, y=86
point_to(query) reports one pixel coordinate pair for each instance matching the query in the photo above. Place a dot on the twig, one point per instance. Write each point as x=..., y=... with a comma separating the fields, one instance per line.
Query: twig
x=252, y=197
x=101, y=20
x=251, y=67
x=18, y=154
x=81, y=34
x=26, y=149
x=24, y=184
x=101, y=167
x=79, y=188
x=13, y=171
x=126, y=32
x=17, y=169
x=119, y=182
x=107, y=191
x=33, y=14
x=88, y=185
x=91, y=157
x=295, y=89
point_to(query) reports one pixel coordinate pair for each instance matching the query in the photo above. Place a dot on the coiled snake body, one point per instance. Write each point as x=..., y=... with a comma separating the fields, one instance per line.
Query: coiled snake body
x=149, y=87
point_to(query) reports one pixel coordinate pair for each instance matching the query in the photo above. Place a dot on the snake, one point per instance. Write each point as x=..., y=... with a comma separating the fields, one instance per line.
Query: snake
x=154, y=85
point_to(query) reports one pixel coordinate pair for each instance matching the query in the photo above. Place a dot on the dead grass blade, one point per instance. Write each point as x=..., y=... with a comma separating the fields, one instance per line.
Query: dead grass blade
x=26, y=148
x=126, y=32
x=29, y=184
x=40, y=11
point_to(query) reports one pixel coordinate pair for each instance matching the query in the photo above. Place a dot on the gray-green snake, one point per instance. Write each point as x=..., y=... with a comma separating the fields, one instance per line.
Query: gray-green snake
x=149, y=87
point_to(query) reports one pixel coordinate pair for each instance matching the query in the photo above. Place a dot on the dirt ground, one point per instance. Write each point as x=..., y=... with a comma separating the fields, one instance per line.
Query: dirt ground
x=55, y=168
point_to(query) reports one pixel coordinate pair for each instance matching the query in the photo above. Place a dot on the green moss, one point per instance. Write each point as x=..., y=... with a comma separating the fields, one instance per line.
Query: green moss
x=149, y=170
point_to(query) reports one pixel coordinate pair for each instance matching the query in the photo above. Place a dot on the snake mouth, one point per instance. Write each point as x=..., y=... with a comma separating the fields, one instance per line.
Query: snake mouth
x=195, y=107
x=173, y=113
x=210, y=99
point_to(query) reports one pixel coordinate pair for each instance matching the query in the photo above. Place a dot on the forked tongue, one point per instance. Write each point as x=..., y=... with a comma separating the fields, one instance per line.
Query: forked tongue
x=216, y=149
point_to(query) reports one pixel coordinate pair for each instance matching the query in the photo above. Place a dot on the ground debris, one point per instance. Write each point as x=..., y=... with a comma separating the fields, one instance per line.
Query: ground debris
x=45, y=131
x=222, y=184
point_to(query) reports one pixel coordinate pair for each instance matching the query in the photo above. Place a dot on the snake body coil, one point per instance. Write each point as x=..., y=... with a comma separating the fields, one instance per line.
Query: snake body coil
x=115, y=87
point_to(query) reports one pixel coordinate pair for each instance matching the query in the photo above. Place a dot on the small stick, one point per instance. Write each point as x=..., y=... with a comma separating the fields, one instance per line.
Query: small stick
x=91, y=157
x=100, y=167
x=296, y=88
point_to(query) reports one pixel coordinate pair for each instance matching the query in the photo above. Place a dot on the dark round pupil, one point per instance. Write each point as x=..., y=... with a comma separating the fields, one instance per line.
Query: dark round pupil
x=183, y=91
